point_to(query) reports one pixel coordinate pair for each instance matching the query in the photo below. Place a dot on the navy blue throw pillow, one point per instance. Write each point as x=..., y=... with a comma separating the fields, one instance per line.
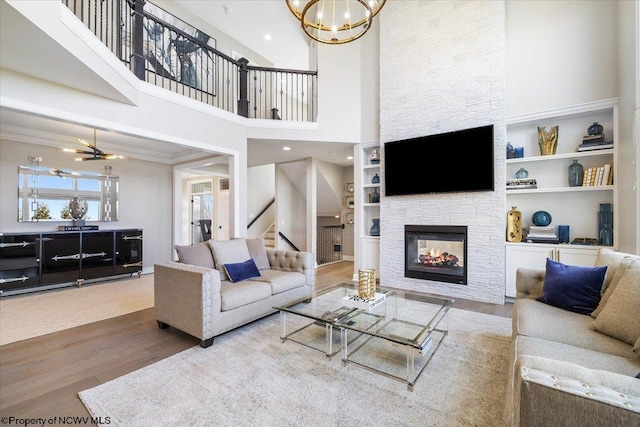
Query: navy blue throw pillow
x=572, y=287
x=242, y=270
x=638, y=376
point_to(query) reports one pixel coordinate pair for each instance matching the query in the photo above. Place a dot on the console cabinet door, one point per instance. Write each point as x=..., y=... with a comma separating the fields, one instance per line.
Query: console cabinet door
x=128, y=251
x=97, y=255
x=525, y=256
x=60, y=258
x=19, y=261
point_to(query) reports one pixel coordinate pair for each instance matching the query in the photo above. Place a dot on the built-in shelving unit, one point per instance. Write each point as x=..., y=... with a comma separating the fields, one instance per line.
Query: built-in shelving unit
x=366, y=210
x=576, y=207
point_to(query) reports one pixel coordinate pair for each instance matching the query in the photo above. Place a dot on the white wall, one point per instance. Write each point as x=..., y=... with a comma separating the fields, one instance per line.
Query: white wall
x=443, y=69
x=291, y=212
x=261, y=184
x=560, y=53
x=138, y=207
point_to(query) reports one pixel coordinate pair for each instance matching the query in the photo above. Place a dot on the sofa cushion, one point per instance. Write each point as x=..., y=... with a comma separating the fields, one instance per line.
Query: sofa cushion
x=620, y=317
x=228, y=252
x=242, y=270
x=281, y=281
x=572, y=287
x=234, y=295
x=198, y=254
x=535, y=319
x=628, y=263
x=611, y=259
x=580, y=356
x=258, y=252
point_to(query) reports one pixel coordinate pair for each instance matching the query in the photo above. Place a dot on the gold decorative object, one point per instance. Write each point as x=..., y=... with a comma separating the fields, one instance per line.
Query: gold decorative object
x=514, y=225
x=366, y=283
x=548, y=141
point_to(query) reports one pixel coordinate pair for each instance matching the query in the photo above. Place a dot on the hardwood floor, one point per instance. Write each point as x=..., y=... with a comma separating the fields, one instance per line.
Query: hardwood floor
x=41, y=377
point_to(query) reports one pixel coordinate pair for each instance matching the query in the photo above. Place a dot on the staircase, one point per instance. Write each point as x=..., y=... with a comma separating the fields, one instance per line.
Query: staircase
x=270, y=236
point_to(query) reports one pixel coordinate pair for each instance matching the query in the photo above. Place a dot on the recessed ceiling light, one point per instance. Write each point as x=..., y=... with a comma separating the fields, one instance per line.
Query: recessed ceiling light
x=286, y=148
x=349, y=157
x=267, y=37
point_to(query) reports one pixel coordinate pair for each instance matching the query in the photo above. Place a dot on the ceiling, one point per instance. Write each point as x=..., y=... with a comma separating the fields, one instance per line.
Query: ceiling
x=263, y=15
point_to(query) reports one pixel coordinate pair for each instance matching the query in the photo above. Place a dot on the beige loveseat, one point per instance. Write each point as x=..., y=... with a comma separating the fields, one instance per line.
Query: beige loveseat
x=197, y=296
x=572, y=369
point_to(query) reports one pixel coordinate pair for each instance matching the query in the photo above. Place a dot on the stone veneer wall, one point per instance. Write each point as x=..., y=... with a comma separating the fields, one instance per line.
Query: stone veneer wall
x=442, y=68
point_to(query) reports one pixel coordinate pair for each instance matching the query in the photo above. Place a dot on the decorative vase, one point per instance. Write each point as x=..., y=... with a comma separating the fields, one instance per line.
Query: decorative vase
x=375, y=228
x=606, y=236
x=375, y=179
x=576, y=172
x=548, y=140
x=522, y=173
x=375, y=196
x=511, y=152
x=375, y=157
x=595, y=129
x=541, y=218
x=514, y=225
x=367, y=283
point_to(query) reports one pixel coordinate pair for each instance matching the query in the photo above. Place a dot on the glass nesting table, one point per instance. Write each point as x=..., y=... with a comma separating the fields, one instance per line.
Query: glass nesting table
x=397, y=338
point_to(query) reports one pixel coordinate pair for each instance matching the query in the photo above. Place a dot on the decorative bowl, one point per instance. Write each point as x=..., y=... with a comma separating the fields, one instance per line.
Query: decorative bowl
x=541, y=218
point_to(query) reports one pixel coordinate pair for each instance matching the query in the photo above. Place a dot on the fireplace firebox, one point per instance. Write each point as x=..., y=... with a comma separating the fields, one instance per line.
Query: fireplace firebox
x=436, y=252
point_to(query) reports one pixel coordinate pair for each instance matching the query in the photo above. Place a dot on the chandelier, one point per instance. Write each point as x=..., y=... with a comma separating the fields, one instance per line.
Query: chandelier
x=335, y=21
x=92, y=151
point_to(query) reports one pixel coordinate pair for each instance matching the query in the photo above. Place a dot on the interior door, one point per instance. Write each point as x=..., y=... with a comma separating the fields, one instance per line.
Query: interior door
x=220, y=229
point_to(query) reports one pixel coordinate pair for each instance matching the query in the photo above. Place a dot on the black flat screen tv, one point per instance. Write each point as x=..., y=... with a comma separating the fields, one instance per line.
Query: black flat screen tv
x=443, y=163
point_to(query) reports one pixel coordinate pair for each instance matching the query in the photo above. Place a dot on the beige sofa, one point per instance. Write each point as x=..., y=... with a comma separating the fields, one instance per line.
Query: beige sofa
x=196, y=295
x=572, y=369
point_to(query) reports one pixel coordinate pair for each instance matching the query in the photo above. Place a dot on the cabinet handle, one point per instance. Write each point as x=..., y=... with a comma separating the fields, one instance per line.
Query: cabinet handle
x=132, y=237
x=551, y=254
x=14, y=279
x=557, y=255
x=11, y=245
x=97, y=254
x=133, y=264
x=74, y=256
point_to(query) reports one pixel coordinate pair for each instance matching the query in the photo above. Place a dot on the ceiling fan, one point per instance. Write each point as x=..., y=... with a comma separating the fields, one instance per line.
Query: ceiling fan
x=92, y=151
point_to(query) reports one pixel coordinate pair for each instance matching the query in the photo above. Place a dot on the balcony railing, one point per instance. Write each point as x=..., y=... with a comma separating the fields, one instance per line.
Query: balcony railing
x=184, y=62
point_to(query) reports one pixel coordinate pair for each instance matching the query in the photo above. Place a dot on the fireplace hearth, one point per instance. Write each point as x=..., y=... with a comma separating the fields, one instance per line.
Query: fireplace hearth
x=436, y=252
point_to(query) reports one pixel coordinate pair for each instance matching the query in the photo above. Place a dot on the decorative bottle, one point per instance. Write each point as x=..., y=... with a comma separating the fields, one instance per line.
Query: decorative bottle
x=606, y=236
x=375, y=228
x=375, y=196
x=595, y=129
x=522, y=173
x=375, y=179
x=576, y=172
x=375, y=157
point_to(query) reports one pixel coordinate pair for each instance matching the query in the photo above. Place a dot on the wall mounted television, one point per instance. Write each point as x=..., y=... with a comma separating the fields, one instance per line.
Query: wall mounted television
x=443, y=163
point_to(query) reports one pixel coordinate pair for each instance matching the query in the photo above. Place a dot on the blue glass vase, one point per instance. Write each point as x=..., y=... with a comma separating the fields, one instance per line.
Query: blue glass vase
x=375, y=228
x=375, y=179
x=576, y=172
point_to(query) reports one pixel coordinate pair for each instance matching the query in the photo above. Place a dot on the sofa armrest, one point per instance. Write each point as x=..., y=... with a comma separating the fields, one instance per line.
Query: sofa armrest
x=302, y=262
x=187, y=297
x=529, y=283
x=559, y=393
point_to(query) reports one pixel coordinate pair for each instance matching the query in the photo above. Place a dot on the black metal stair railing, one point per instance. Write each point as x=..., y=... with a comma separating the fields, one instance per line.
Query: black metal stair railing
x=158, y=52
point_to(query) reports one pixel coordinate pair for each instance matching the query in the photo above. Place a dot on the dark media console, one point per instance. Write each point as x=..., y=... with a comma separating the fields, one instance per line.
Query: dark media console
x=36, y=261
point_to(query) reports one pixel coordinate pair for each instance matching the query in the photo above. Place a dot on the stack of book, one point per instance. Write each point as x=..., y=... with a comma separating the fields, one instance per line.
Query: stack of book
x=539, y=234
x=594, y=142
x=598, y=176
x=521, y=183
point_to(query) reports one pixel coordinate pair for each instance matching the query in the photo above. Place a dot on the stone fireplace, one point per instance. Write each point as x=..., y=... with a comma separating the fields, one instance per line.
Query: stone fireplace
x=436, y=252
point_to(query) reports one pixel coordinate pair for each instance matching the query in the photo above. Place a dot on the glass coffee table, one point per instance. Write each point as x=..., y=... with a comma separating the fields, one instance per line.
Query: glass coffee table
x=396, y=338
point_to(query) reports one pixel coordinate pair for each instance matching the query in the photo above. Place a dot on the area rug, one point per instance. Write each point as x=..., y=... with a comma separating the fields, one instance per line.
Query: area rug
x=249, y=378
x=32, y=315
